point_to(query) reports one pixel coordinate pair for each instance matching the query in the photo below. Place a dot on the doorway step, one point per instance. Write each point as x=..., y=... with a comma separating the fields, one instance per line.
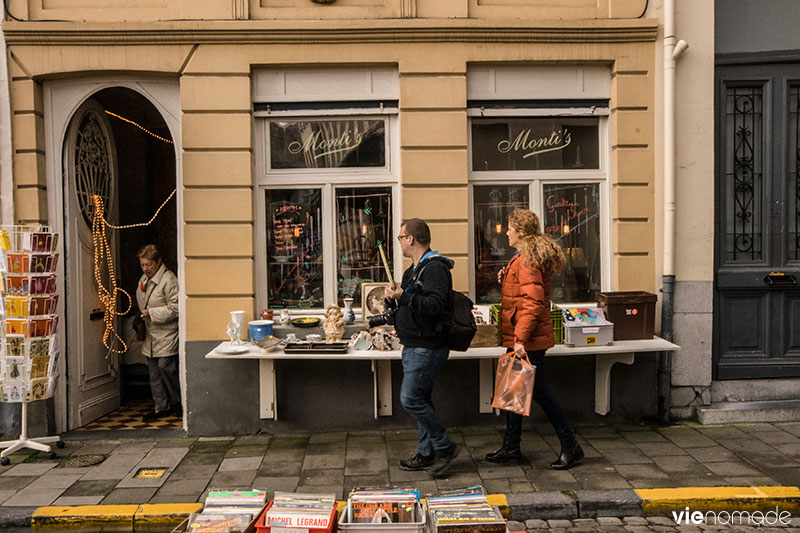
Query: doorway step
x=129, y=417
x=752, y=400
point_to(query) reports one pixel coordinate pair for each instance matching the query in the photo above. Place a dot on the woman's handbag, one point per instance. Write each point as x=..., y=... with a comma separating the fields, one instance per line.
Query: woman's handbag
x=139, y=327
x=513, y=386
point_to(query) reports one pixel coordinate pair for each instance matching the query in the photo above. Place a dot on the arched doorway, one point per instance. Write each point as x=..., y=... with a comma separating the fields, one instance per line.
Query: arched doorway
x=116, y=144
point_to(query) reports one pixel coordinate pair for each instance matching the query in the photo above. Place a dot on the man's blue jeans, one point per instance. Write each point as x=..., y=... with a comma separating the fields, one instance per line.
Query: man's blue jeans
x=420, y=368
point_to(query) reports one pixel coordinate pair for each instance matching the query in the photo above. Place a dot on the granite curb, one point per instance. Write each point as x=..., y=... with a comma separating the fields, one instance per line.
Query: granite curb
x=520, y=507
x=15, y=517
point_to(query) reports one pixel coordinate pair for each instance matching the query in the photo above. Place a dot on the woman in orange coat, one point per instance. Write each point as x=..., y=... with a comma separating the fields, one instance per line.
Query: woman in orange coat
x=526, y=327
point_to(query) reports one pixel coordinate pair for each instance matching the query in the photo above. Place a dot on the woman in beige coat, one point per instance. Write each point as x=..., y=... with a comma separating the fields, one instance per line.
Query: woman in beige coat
x=157, y=298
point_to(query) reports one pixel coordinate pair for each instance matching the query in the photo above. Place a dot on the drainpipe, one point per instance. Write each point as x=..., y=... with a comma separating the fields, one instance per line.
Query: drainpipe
x=672, y=51
x=6, y=179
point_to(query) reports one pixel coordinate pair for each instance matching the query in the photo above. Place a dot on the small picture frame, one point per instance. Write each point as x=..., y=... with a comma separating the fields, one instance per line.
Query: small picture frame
x=372, y=299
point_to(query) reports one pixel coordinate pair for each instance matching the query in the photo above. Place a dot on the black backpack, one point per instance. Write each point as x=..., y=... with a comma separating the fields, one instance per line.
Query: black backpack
x=459, y=322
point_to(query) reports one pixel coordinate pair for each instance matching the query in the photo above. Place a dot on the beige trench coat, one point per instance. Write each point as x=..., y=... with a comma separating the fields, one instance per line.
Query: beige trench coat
x=160, y=297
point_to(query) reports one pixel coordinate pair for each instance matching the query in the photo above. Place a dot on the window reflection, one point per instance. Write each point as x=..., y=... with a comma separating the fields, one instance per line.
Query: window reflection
x=571, y=216
x=294, y=247
x=492, y=205
x=363, y=216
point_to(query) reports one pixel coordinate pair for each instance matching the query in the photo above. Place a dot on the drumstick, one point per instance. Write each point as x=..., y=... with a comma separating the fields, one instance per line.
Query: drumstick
x=386, y=264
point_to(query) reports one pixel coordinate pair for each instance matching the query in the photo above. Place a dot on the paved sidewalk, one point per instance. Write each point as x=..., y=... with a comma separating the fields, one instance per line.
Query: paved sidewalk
x=619, y=458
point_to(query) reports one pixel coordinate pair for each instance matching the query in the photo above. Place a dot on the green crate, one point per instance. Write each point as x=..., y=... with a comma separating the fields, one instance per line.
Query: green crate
x=557, y=315
x=494, y=311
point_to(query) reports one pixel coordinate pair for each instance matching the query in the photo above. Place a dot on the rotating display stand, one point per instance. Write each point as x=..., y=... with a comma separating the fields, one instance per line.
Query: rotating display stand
x=28, y=323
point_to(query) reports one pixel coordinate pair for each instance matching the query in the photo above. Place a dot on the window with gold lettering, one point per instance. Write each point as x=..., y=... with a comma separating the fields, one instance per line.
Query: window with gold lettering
x=557, y=166
x=534, y=143
x=309, y=144
x=326, y=205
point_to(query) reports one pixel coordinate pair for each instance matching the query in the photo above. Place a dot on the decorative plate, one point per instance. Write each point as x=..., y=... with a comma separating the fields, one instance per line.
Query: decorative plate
x=232, y=350
x=305, y=322
x=268, y=343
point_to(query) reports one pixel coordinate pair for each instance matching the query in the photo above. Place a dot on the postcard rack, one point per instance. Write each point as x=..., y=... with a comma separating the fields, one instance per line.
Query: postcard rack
x=28, y=326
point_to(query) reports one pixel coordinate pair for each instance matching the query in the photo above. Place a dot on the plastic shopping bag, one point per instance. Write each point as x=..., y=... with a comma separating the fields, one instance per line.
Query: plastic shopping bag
x=513, y=385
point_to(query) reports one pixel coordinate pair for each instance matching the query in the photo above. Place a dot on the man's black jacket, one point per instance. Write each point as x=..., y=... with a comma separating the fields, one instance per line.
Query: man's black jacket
x=424, y=304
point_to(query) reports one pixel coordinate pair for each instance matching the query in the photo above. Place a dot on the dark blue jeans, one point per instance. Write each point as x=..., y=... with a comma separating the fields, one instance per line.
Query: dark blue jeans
x=420, y=368
x=543, y=396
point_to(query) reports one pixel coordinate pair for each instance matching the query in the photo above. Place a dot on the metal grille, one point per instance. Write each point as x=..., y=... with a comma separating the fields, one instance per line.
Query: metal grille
x=793, y=181
x=743, y=173
x=92, y=164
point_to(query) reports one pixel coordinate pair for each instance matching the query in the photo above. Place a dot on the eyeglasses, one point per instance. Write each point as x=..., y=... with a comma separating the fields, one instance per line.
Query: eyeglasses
x=401, y=237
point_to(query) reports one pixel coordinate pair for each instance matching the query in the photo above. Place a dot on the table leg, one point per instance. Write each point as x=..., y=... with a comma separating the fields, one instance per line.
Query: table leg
x=268, y=405
x=485, y=385
x=382, y=377
x=602, y=379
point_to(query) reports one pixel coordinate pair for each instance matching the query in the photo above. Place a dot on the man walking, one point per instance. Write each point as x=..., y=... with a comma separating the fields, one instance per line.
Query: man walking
x=422, y=302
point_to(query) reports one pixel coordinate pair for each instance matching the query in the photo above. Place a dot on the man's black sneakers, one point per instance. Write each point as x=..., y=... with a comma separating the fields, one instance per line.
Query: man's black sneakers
x=442, y=459
x=416, y=462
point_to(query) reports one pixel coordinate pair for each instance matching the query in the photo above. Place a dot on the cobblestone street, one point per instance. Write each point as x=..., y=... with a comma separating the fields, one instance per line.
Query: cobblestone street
x=639, y=524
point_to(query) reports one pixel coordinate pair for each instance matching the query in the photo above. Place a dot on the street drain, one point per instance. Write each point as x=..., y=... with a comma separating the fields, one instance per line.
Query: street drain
x=80, y=461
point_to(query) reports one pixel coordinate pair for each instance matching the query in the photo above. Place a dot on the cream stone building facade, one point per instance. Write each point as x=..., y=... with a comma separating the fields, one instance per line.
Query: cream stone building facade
x=220, y=86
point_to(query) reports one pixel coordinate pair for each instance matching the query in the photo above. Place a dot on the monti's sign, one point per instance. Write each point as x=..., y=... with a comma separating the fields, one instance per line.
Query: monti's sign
x=529, y=145
x=319, y=144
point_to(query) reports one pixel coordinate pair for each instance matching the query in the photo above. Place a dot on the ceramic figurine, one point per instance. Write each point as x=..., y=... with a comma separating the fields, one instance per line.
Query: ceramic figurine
x=334, y=324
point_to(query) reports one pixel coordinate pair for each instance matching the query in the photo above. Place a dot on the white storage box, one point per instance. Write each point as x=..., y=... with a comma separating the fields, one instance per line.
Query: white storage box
x=587, y=327
x=366, y=527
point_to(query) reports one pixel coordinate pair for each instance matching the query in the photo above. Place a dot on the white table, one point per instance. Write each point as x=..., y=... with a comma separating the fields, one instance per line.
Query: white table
x=605, y=358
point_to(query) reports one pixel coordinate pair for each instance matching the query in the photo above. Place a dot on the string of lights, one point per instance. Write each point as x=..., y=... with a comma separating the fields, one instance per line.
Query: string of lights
x=108, y=296
x=138, y=126
x=140, y=224
x=103, y=259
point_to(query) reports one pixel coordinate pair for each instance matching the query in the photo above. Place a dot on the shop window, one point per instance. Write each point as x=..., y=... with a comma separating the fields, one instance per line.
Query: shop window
x=554, y=166
x=492, y=205
x=364, y=222
x=327, y=201
x=294, y=248
x=571, y=216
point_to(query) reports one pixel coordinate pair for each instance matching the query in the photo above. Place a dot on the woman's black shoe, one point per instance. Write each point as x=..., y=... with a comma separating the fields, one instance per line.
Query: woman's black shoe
x=505, y=454
x=569, y=457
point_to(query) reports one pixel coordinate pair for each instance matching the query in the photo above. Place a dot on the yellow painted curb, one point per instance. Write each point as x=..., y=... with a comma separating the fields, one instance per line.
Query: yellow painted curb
x=163, y=516
x=500, y=501
x=657, y=502
x=147, y=517
x=109, y=517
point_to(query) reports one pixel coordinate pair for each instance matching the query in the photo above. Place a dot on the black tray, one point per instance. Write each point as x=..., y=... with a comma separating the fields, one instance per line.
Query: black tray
x=316, y=347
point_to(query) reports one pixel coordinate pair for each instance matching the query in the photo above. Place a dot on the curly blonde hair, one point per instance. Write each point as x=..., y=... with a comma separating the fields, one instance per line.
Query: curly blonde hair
x=537, y=249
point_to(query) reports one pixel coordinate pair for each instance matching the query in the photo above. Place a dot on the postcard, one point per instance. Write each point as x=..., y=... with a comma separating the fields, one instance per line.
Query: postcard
x=14, y=369
x=39, y=367
x=18, y=263
x=15, y=345
x=13, y=391
x=38, y=389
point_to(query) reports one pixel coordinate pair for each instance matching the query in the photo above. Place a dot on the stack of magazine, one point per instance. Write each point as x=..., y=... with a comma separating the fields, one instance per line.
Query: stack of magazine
x=377, y=506
x=464, y=511
x=295, y=511
x=227, y=511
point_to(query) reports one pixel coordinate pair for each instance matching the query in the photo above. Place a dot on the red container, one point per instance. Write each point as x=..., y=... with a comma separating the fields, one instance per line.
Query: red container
x=633, y=313
x=261, y=526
